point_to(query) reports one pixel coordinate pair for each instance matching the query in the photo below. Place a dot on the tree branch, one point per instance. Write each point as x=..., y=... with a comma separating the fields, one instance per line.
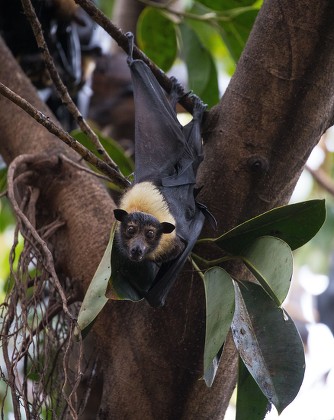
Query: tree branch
x=23, y=220
x=186, y=101
x=322, y=179
x=53, y=128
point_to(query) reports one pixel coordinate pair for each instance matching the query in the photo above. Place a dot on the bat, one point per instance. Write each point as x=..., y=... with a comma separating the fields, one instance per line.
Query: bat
x=159, y=219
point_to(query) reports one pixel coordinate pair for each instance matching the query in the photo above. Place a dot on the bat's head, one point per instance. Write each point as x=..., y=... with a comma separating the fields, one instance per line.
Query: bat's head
x=140, y=233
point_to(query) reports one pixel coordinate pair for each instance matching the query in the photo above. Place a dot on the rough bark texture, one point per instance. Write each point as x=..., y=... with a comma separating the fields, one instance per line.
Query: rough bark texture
x=277, y=106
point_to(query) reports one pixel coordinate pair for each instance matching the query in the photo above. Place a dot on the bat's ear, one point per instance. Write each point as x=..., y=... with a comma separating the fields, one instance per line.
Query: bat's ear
x=167, y=227
x=120, y=214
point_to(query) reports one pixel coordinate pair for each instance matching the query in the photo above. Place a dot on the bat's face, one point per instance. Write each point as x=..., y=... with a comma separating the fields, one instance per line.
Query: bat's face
x=140, y=233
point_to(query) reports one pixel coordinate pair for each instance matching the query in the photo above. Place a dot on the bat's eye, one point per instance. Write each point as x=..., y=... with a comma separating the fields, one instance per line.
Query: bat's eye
x=130, y=230
x=150, y=234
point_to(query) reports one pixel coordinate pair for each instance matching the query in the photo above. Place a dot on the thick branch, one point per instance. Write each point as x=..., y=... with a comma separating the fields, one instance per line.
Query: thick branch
x=276, y=107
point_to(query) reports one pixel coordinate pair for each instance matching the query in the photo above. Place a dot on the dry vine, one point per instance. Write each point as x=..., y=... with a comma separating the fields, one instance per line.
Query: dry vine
x=38, y=316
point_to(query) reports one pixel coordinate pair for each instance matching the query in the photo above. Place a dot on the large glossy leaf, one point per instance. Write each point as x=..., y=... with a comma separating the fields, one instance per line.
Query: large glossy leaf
x=210, y=373
x=270, y=260
x=269, y=344
x=202, y=73
x=208, y=34
x=295, y=224
x=219, y=294
x=251, y=402
x=95, y=298
x=156, y=36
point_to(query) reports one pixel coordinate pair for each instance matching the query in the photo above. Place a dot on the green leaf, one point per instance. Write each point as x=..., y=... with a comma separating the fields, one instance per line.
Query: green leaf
x=209, y=34
x=235, y=32
x=295, y=224
x=114, y=150
x=156, y=36
x=270, y=260
x=202, y=72
x=226, y=4
x=3, y=179
x=106, y=6
x=210, y=373
x=269, y=344
x=95, y=298
x=251, y=402
x=219, y=294
x=7, y=216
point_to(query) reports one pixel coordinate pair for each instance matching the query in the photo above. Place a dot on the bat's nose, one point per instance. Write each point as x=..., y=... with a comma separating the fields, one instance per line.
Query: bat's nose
x=136, y=253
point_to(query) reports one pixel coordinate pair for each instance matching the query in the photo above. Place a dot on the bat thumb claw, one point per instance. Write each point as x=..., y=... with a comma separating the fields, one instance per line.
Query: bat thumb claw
x=130, y=38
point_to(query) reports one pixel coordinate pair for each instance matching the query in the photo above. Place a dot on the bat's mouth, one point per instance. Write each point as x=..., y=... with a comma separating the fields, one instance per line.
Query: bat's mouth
x=137, y=252
x=136, y=257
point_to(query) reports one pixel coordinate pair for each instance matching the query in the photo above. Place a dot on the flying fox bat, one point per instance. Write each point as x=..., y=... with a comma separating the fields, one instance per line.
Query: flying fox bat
x=158, y=217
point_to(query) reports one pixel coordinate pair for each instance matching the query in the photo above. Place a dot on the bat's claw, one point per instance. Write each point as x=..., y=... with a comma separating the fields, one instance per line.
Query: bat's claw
x=177, y=92
x=199, y=105
x=130, y=38
x=208, y=215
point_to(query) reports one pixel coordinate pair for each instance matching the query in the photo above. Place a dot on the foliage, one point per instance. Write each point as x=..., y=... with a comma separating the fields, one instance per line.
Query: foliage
x=261, y=329
x=208, y=32
x=201, y=35
x=151, y=40
x=107, y=6
x=95, y=297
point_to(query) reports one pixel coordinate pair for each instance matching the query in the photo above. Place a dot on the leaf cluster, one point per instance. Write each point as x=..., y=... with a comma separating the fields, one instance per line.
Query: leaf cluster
x=204, y=34
x=272, y=363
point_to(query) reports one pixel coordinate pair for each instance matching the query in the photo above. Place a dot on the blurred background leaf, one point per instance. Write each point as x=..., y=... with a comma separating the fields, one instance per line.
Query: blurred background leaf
x=156, y=36
x=124, y=163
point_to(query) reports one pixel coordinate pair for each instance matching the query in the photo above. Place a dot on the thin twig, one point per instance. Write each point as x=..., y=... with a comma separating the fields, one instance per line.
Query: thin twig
x=322, y=179
x=53, y=128
x=48, y=263
x=197, y=269
x=60, y=86
x=213, y=17
x=187, y=101
x=83, y=168
x=50, y=314
x=3, y=193
x=211, y=263
x=68, y=398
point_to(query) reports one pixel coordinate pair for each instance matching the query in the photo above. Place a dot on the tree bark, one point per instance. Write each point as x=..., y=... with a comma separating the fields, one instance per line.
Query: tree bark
x=257, y=140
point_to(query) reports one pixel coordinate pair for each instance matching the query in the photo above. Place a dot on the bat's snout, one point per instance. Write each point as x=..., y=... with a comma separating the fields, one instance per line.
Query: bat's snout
x=136, y=253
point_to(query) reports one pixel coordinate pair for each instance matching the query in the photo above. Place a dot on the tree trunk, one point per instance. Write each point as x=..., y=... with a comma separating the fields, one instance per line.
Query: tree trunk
x=257, y=140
